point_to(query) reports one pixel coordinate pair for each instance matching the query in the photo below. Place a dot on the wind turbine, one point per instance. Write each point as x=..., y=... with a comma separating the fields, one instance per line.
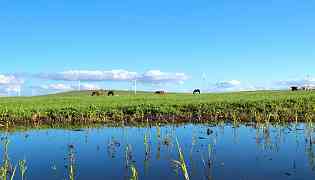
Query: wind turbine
x=79, y=80
x=308, y=82
x=33, y=92
x=204, y=81
x=79, y=85
x=19, y=90
x=135, y=86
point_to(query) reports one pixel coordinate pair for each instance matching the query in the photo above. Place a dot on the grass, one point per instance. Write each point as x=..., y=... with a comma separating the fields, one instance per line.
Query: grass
x=23, y=168
x=81, y=108
x=6, y=169
x=134, y=173
x=181, y=162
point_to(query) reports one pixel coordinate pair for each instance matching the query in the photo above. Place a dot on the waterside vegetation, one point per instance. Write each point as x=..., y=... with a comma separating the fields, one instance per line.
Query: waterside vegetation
x=147, y=107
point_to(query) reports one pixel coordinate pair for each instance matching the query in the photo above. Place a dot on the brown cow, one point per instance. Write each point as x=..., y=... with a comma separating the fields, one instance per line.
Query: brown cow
x=96, y=93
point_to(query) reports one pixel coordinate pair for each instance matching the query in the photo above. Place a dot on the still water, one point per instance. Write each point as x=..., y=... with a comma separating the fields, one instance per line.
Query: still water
x=223, y=151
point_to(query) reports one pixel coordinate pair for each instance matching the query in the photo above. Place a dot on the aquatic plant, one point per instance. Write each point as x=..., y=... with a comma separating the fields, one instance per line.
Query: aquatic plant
x=13, y=173
x=269, y=136
x=6, y=168
x=134, y=173
x=23, y=168
x=130, y=164
x=181, y=162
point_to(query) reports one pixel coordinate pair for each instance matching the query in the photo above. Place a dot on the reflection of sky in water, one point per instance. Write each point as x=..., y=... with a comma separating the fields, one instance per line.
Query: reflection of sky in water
x=236, y=153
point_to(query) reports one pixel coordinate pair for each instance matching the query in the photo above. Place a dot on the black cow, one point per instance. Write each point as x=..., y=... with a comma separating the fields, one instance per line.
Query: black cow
x=160, y=92
x=294, y=88
x=110, y=93
x=197, y=91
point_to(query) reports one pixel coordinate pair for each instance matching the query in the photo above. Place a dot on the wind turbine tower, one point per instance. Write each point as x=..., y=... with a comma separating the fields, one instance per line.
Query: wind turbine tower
x=204, y=81
x=135, y=86
x=308, y=82
x=19, y=90
x=79, y=80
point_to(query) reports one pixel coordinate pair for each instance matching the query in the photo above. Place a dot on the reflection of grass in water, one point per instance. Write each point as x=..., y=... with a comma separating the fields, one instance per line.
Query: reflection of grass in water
x=71, y=165
x=158, y=151
x=158, y=131
x=235, y=127
x=207, y=165
x=147, y=157
x=311, y=155
x=130, y=163
x=193, y=144
x=309, y=146
x=181, y=162
x=112, y=147
x=265, y=133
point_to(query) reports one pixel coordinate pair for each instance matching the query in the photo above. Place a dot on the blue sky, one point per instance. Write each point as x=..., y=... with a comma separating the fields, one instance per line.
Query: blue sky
x=253, y=42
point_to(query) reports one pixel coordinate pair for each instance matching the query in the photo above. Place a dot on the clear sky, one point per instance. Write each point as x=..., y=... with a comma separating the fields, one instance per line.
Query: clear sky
x=256, y=42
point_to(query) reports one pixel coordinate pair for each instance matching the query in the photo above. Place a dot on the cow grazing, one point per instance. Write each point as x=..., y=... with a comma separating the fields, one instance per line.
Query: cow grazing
x=160, y=92
x=96, y=93
x=197, y=91
x=110, y=93
x=294, y=88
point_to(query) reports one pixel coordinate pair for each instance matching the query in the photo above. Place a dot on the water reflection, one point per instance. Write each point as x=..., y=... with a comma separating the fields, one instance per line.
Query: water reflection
x=221, y=151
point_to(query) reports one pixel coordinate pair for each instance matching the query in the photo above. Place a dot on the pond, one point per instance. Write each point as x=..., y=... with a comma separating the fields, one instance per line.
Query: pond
x=221, y=151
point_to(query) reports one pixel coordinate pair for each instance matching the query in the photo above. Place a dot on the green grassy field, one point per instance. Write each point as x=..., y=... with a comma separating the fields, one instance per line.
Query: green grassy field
x=80, y=107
